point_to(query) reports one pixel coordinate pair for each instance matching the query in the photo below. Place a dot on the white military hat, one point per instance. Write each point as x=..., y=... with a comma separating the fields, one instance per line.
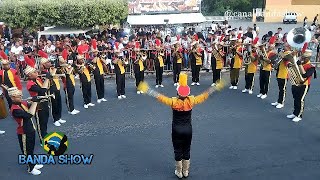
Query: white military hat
x=29, y=70
x=44, y=60
x=14, y=91
x=307, y=53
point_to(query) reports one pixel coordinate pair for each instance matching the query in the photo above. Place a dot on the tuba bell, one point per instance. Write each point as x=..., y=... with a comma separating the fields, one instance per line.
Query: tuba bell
x=297, y=37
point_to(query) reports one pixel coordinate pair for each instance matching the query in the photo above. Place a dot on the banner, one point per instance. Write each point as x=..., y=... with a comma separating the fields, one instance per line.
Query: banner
x=163, y=6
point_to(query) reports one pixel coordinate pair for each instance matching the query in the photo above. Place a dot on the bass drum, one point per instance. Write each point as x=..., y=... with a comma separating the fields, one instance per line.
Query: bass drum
x=3, y=108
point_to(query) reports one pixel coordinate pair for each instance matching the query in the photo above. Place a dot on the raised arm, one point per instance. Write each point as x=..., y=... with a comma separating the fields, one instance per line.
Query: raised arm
x=204, y=96
x=144, y=87
x=201, y=98
x=165, y=100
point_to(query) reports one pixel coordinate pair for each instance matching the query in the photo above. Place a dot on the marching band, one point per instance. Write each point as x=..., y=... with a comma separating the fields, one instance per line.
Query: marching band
x=44, y=81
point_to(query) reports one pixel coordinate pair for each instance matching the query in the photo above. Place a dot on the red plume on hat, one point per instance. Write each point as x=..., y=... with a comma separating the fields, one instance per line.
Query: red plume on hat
x=196, y=37
x=43, y=54
x=137, y=45
x=305, y=46
x=255, y=41
x=272, y=40
x=3, y=55
x=94, y=44
x=30, y=62
x=116, y=44
x=239, y=36
x=65, y=54
x=221, y=38
x=158, y=42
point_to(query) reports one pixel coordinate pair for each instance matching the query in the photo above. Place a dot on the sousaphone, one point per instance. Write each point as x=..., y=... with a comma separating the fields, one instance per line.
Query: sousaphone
x=297, y=37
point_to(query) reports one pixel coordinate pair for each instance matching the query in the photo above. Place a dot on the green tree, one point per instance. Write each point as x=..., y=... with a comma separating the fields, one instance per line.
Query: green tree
x=72, y=13
x=219, y=7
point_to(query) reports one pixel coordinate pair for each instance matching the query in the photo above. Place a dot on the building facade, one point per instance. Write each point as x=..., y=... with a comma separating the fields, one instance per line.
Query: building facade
x=275, y=9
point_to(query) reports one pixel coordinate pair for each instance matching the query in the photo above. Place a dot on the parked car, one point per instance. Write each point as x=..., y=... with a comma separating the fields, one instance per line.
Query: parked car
x=290, y=17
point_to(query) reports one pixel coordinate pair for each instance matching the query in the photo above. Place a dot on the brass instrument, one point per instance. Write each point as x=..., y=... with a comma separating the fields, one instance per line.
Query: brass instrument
x=247, y=59
x=56, y=75
x=93, y=67
x=42, y=98
x=216, y=54
x=144, y=56
x=161, y=52
x=295, y=76
x=296, y=38
x=141, y=55
x=3, y=108
x=80, y=68
x=263, y=57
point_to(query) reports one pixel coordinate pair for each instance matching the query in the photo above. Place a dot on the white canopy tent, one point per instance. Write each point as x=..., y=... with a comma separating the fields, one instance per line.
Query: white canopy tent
x=61, y=31
x=160, y=19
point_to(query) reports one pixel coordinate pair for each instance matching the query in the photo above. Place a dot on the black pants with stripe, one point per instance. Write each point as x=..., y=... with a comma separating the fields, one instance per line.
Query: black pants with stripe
x=299, y=93
x=99, y=81
x=264, y=81
x=69, y=93
x=249, y=77
x=196, y=73
x=282, y=83
x=139, y=75
x=234, y=76
x=121, y=84
x=159, y=74
x=42, y=116
x=216, y=75
x=86, y=92
x=27, y=142
x=176, y=72
x=56, y=106
x=181, y=140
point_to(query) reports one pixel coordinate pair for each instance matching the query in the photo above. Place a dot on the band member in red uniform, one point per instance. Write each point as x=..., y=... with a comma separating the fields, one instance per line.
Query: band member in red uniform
x=138, y=66
x=119, y=67
x=300, y=91
x=23, y=112
x=196, y=63
x=8, y=77
x=68, y=82
x=217, y=62
x=251, y=69
x=182, y=106
x=236, y=64
x=56, y=103
x=98, y=72
x=159, y=63
x=85, y=79
x=37, y=87
x=177, y=62
x=282, y=78
x=266, y=59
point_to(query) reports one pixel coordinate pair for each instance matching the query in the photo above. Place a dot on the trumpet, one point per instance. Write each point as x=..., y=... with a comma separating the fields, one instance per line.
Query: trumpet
x=161, y=52
x=42, y=98
x=55, y=75
x=144, y=56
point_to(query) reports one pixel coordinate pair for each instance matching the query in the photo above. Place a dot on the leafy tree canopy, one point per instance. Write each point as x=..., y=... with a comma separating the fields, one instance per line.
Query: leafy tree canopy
x=71, y=13
x=219, y=7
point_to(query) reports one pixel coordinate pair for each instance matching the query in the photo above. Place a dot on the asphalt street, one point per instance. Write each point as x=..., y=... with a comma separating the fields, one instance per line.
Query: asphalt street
x=235, y=136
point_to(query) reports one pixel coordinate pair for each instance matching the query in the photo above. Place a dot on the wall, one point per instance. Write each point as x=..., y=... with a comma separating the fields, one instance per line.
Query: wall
x=275, y=9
